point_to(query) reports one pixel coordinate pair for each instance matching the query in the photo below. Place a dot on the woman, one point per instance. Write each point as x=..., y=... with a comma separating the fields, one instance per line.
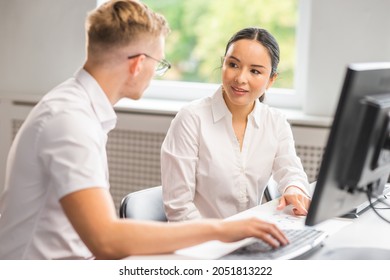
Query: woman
x=221, y=151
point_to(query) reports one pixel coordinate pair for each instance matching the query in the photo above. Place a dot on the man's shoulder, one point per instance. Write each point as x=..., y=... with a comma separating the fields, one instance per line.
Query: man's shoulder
x=65, y=109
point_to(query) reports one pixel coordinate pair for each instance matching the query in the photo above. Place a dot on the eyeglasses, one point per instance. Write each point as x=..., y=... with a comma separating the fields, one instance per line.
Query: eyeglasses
x=162, y=67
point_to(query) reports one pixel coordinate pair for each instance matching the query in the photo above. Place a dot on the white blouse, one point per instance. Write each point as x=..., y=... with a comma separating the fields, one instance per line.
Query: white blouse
x=204, y=173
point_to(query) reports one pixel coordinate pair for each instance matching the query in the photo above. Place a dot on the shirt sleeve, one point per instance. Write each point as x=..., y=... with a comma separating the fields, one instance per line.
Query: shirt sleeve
x=179, y=158
x=287, y=166
x=73, y=152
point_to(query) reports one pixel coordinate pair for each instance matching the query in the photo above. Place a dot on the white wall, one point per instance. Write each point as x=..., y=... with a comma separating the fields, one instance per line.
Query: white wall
x=42, y=43
x=338, y=32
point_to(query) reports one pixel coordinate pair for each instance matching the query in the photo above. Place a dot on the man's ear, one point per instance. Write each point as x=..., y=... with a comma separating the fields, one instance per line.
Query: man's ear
x=136, y=64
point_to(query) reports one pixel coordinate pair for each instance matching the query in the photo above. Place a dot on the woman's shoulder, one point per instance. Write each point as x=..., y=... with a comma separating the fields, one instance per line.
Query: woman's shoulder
x=197, y=106
x=272, y=113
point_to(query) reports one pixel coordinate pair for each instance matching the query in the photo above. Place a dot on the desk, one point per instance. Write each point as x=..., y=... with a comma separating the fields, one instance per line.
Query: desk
x=359, y=235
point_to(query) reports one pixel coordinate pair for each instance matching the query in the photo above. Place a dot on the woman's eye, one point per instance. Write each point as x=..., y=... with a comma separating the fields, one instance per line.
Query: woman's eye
x=232, y=64
x=256, y=72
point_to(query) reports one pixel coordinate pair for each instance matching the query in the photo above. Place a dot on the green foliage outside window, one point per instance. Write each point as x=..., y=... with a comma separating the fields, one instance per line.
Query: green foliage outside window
x=201, y=29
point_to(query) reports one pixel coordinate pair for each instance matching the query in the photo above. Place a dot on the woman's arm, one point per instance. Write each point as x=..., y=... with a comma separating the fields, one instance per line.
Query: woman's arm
x=179, y=158
x=289, y=173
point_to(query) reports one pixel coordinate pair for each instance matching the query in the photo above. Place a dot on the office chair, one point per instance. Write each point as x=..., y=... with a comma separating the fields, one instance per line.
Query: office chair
x=267, y=195
x=271, y=191
x=145, y=204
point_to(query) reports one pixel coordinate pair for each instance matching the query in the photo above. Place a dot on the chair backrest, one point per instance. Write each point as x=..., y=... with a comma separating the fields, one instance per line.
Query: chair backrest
x=145, y=204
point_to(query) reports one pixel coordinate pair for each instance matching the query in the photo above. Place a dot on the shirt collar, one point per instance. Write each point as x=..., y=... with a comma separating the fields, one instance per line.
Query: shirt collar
x=101, y=105
x=218, y=106
x=256, y=113
x=220, y=110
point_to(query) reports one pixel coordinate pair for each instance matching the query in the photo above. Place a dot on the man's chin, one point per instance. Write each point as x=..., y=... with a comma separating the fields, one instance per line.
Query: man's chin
x=136, y=96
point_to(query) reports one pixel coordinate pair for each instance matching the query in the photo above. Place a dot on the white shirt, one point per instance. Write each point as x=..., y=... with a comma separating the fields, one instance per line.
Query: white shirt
x=59, y=149
x=204, y=173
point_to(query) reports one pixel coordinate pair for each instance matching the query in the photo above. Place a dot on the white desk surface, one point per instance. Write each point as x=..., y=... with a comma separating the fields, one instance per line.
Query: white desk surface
x=367, y=237
x=359, y=236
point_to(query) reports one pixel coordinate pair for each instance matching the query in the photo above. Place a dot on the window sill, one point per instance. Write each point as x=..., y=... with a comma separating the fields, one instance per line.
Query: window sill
x=171, y=107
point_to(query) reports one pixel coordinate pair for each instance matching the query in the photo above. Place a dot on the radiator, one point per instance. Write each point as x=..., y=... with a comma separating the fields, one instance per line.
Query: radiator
x=133, y=160
x=310, y=145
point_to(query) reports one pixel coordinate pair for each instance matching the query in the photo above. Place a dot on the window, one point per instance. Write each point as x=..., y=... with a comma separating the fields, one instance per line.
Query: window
x=201, y=29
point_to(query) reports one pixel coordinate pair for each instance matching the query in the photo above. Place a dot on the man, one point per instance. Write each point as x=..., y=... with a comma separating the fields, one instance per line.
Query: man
x=56, y=203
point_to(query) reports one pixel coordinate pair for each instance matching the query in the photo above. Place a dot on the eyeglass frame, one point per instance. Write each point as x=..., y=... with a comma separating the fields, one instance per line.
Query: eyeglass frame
x=162, y=67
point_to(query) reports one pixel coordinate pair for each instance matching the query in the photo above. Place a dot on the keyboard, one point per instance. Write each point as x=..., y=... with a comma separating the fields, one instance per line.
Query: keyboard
x=301, y=241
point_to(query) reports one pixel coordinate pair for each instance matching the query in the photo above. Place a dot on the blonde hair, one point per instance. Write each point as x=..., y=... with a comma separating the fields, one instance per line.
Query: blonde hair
x=117, y=23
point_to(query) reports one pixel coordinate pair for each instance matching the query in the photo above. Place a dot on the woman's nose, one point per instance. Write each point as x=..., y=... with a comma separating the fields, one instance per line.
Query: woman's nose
x=240, y=78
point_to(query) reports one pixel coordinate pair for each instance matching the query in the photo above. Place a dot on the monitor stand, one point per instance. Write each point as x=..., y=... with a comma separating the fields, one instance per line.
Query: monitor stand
x=355, y=213
x=352, y=253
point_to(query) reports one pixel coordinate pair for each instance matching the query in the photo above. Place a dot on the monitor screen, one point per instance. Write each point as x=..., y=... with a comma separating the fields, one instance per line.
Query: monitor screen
x=356, y=161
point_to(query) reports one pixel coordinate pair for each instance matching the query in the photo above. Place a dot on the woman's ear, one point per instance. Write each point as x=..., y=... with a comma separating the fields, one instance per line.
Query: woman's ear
x=272, y=80
x=136, y=64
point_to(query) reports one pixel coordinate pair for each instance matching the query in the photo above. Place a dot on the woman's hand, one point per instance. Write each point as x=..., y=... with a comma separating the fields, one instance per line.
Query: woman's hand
x=295, y=196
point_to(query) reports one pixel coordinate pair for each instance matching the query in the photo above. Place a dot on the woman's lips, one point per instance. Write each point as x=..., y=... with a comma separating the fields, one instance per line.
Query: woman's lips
x=239, y=91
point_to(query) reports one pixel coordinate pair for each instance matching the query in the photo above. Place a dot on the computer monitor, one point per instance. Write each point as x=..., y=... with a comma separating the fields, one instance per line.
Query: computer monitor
x=356, y=161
